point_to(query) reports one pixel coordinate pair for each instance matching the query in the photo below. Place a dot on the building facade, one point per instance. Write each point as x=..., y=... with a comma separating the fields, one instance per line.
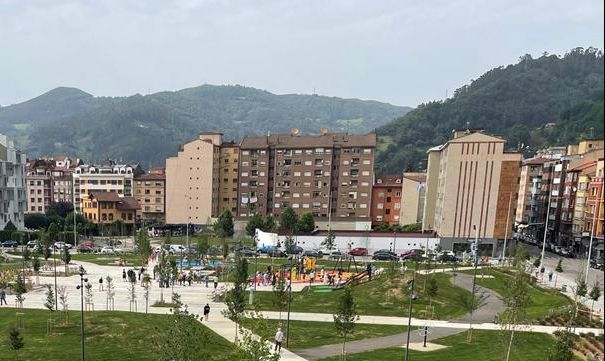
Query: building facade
x=200, y=180
x=328, y=175
x=386, y=200
x=13, y=197
x=49, y=181
x=106, y=208
x=413, y=187
x=150, y=192
x=475, y=188
x=108, y=177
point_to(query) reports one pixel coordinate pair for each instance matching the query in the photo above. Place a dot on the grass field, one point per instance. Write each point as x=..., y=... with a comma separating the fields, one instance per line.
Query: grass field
x=382, y=297
x=306, y=334
x=486, y=346
x=117, y=336
x=543, y=302
x=132, y=260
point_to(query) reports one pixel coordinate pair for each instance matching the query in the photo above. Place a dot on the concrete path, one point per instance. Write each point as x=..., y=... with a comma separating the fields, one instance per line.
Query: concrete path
x=195, y=297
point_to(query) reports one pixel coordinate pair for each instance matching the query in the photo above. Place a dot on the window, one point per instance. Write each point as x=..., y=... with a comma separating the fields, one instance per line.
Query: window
x=354, y=172
x=380, y=206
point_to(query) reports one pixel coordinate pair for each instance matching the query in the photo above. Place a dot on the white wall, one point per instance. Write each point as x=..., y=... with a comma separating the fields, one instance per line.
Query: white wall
x=344, y=243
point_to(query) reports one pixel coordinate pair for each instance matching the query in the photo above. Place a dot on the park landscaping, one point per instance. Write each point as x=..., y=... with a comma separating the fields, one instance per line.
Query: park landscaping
x=486, y=346
x=307, y=334
x=384, y=296
x=115, y=335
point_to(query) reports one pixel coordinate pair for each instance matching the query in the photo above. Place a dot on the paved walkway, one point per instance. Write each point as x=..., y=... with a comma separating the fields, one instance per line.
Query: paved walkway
x=195, y=297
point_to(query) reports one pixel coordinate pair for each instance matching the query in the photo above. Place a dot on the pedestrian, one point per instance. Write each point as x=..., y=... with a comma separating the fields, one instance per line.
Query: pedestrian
x=207, y=279
x=279, y=337
x=369, y=271
x=3, y=297
x=101, y=284
x=155, y=269
x=550, y=276
x=206, y=311
x=312, y=277
x=215, y=282
x=123, y=275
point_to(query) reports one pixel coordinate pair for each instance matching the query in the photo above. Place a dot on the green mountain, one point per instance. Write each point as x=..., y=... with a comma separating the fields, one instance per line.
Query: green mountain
x=149, y=128
x=515, y=101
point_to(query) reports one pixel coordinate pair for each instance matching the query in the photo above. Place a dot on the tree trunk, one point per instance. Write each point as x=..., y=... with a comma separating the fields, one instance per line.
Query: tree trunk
x=344, y=342
x=512, y=334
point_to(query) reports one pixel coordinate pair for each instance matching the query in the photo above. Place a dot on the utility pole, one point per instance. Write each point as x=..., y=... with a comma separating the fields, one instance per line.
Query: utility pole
x=510, y=197
x=411, y=295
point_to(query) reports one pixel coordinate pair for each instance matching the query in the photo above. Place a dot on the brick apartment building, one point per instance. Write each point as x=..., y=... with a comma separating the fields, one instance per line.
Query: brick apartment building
x=328, y=175
x=386, y=200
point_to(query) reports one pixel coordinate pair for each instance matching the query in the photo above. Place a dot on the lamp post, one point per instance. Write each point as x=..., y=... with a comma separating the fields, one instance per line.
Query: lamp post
x=475, y=262
x=81, y=288
x=411, y=295
x=55, y=274
x=289, y=304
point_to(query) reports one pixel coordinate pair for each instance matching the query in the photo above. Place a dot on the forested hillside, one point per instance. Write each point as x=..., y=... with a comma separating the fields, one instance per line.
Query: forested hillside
x=515, y=102
x=149, y=128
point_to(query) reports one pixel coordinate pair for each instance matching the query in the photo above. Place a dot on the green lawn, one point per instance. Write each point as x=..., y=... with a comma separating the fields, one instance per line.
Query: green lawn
x=132, y=260
x=486, y=346
x=543, y=302
x=110, y=336
x=382, y=297
x=307, y=334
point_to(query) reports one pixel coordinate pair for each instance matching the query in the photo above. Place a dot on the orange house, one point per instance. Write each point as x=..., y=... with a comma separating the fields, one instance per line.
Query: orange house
x=109, y=207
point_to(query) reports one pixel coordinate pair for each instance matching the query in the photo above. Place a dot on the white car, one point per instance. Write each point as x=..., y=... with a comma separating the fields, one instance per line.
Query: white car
x=61, y=245
x=178, y=249
x=107, y=250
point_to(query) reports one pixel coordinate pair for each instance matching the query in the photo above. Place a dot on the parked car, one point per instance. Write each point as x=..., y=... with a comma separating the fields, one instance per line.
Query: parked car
x=107, y=250
x=10, y=244
x=60, y=245
x=85, y=249
x=295, y=250
x=447, y=258
x=277, y=253
x=88, y=244
x=359, y=251
x=412, y=255
x=597, y=264
x=33, y=245
x=338, y=255
x=311, y=253
x=265, y=249
x=178, y=249
x=246, y=252
x=384, y=256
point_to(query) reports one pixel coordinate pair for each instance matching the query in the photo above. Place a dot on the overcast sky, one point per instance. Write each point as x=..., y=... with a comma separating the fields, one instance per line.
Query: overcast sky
x=402, y=52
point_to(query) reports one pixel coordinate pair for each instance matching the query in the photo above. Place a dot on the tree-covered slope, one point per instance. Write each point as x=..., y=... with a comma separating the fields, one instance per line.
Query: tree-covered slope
x=515, y=102
x=149, y=128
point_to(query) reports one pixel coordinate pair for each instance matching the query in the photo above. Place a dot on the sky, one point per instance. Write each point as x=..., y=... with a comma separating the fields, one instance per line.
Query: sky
x=402, y=52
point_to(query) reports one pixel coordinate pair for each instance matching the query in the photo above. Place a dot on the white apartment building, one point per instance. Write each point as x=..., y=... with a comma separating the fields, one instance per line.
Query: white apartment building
x=12, y=183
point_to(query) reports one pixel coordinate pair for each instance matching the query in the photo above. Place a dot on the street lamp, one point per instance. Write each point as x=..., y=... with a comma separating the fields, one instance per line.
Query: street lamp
x=411, y=295
x=81, y=288
x=55, y=271
x=289, y=303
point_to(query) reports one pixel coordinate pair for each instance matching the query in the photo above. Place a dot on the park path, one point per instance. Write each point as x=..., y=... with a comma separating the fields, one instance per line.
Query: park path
x=195, y=297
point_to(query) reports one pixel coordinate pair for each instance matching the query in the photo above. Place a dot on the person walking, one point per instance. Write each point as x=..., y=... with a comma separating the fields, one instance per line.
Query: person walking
x=206, y=311
x=279, y=337
x=215, y=282
x=101, y=284
x=3, y=297
x=123, y=275
x=312, y=277
x=550, y=276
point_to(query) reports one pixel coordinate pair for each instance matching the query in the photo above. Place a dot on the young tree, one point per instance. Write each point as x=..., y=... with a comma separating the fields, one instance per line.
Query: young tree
x=180, y=339
x=88, y=296
x=562, y=350
x=235, y=299
x=36, y=265
x=516, y=300
x=288, y=220
x=345, y=317
x=146, y=287
x=15, y=340
x=47, y=252
x=306, y=223
x=63, y=300
x=109, y=292
x=66, y=258
x=252, y=347
x=558, y=269
x=224, y=224
x=20, y=290
x=269, y=225
x=328, y=242
x=432, y=290
x=537, y=262
x=26, y=254
x=143, y=245
x=280, y=294
x=49, y=303
x=132, y=295
x=52, y=233
x=289, y=243
x=594, y=295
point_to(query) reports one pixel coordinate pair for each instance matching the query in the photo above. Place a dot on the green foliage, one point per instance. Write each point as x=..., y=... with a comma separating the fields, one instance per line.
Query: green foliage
x=35, y=221
x=562, y=350
x=15, y=340
x=35, y=262
x=143, y=244
x=306, y=223
x=61, y=209
x=413, y=227
x=328, y=242
x=537, y=262
x=581, y=286
x=595, y=292
x=280, y=293
x=66, y=119
x=10, y=226
x=66, y=256
x=47, y=252
x=49, y=302
x=432, y=289
x=345, y=316
x=253, y=347
x=236, y=297
x=224, y=224
x=26, y=254
x=289, y=243
x=288, y=220
x=514, y=101
x=559, y=267
x=20, y=289
x=52, y=233
x=265, y=224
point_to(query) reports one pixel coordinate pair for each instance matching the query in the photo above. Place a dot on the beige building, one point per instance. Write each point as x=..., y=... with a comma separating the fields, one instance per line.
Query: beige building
x=109, y=177
x=150, y=192
x=471, y=182
x=531, y=173
x=412, y=198
x=199, y=178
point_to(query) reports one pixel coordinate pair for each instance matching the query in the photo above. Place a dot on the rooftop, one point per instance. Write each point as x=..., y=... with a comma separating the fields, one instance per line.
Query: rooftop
x=309, y=141
x=123, y=203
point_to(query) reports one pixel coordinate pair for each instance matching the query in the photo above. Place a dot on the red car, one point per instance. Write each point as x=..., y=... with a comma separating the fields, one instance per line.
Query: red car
x=358, y=252
x=87, y=244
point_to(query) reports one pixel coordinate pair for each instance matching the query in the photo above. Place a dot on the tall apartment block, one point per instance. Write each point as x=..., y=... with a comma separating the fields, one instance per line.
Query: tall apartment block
x=108, y=177
x=13, y=201
x=328, y=175
x=49, y=181
x=595, y=211
x=412, y=202
x=471, y=184
x=201, y=180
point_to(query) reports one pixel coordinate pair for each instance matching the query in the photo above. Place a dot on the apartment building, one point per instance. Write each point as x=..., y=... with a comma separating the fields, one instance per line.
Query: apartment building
x=150, y=192
x=107, y=177
x=386, y=200
x=328, y=175
x=527, y=208
x=594, y=212
x=105, y=208
x=201, y=180
x=13, y=198
x=49, y=181
x=471, y=184
x=412, y=202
